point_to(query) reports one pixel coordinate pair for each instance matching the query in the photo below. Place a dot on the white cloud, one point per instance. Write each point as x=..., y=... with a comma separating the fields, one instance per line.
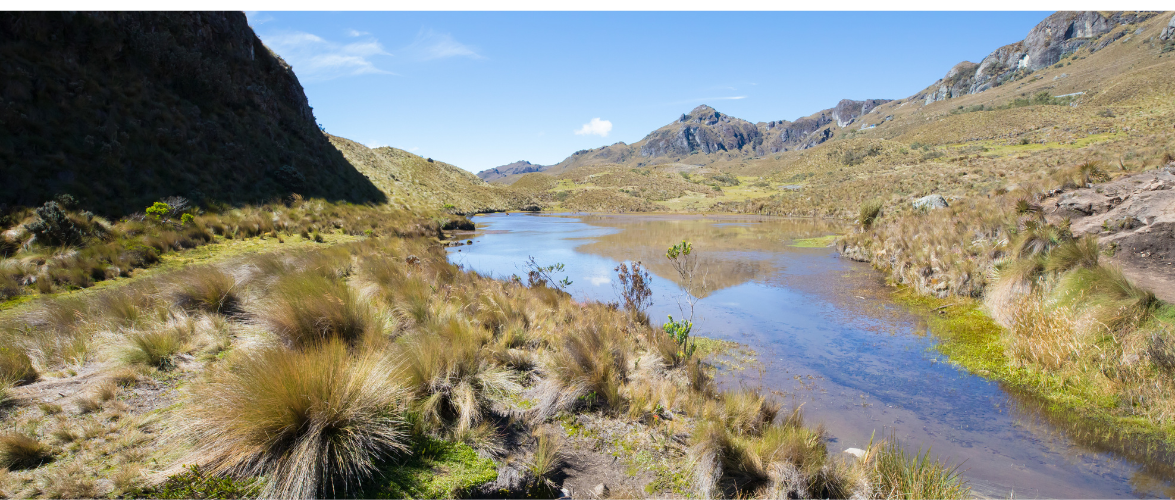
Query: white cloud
x=595, y=127
x=316, y=59
x=432, y=45
x=355, y=32
x=376, y=144
x=600, y=280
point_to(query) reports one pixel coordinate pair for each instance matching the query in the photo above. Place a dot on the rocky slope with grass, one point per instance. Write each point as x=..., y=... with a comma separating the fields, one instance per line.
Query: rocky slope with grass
x=510, y=171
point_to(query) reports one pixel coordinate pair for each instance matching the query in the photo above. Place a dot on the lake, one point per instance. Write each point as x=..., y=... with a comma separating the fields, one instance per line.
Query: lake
x=827, y=336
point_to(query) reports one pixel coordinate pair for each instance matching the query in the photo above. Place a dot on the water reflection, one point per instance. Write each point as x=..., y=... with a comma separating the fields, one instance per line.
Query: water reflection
x=829, y=338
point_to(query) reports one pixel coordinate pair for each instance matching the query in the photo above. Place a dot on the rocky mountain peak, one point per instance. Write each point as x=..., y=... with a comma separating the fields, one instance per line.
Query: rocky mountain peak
x=1058, y=35
x=702, y=130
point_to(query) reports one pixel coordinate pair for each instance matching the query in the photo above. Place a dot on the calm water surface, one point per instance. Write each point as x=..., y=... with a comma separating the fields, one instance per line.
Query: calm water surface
x=828, y=338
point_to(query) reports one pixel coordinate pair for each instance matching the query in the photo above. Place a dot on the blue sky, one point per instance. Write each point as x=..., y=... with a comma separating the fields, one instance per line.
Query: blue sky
x=482, y=89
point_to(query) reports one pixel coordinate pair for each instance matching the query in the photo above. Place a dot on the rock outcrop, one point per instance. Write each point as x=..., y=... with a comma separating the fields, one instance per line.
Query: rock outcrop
x=702, y=130
x=1168, y=32
x=517, y=168
x=1058, y=35
x=1134, y=216
x=931, y=202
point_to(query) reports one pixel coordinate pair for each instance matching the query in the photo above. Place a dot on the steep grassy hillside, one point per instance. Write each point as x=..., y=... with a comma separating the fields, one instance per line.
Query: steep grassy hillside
x=415, y=182
x=121, y=109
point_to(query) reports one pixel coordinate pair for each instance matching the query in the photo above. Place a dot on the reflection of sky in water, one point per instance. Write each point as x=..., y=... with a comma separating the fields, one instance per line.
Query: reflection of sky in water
x=809, y=314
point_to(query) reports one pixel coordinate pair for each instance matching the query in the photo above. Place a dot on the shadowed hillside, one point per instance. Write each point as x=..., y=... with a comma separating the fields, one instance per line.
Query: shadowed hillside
x=121, y=109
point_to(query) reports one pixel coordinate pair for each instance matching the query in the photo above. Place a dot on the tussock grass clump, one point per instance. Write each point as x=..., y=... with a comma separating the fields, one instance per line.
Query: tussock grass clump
x=869, y=213
x=455, y=381
x=16, y=367
x=208, y=289
x=314, y=421
x=1107, y=295
x=1076, y=253
x=546, y=460
x=305, y=309
x=897, y=474
x=590, y=368
x=20, y=451
x=157, y=347
x=775, y=458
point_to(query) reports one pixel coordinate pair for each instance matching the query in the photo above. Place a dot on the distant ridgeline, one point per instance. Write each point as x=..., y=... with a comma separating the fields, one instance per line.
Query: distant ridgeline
x=121, y=109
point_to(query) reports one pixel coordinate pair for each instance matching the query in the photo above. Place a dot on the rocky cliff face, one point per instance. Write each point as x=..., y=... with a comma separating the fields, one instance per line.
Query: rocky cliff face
x=705, y=131
x=121, y=109
x=702, y=130
x=1058, y=35
x=517, y=168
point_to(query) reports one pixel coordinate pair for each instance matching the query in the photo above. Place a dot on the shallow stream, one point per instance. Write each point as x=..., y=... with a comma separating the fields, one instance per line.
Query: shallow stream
x=827, y=336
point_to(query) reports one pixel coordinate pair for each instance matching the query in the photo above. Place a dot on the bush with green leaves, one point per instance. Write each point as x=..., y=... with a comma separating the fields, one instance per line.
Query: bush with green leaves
x=54, y=227
x=159, y=210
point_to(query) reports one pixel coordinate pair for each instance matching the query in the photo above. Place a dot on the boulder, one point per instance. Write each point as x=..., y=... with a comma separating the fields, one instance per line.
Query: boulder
x=600, y=490
x=931, y=202
x=1168, y=32
x=856, y=452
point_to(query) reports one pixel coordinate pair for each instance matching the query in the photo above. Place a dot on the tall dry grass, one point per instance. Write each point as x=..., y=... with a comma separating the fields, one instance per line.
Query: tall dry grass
x=314, y=421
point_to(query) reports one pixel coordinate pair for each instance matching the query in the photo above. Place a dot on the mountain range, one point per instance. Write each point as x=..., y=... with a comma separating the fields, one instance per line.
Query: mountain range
x=713, y=135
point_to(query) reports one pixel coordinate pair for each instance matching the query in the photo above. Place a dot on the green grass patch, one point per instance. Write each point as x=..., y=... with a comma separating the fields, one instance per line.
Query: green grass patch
x=435, y=469
x=971, y=339
x=725, y=354
x=819, y=242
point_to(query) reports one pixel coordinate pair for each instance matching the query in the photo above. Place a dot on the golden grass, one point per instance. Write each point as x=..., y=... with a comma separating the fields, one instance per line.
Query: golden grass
x=315, y=421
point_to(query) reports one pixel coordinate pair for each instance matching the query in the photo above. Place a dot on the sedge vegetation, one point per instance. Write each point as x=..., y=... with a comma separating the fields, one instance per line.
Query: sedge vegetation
x=376, y=368
x=1061, y=321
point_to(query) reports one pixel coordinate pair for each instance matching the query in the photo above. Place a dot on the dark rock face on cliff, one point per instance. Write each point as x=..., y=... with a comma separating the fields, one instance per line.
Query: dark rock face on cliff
x=1058, y=35
x=517, y=168
x=121, y=109
x=702, y=130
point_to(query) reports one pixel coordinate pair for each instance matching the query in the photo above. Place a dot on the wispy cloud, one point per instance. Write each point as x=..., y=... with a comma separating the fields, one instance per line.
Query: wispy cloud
x=595, y=127
x=257, y=18
x=351, y=32
x=430, y=45
x=318, y=59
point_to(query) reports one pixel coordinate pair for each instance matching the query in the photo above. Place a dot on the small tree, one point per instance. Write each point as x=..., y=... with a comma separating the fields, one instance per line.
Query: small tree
x=634, y=287
x=683, y=259
x=542, y=275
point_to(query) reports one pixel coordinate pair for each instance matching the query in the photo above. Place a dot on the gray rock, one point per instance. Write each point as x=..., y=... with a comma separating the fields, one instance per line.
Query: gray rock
x=1169, y=31
x=1059, y=34
x=856, y=452
x=931, y=202
x=600, y=490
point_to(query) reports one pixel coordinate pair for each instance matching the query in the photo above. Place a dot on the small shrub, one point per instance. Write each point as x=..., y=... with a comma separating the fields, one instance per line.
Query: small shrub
x=634, y=287
x=159, y=210
x=53, y=227
x=19, y=451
